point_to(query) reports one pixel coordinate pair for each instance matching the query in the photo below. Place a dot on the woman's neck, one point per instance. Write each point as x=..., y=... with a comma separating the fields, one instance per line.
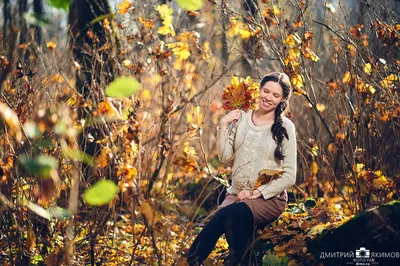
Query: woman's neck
x=264, y=116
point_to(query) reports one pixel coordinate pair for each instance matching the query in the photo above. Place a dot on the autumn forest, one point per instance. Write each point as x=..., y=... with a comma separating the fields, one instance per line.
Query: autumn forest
x=108, y=124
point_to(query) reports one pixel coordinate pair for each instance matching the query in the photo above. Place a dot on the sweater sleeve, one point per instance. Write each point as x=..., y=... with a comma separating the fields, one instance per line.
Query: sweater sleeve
x=288, y=178
x=225, y=142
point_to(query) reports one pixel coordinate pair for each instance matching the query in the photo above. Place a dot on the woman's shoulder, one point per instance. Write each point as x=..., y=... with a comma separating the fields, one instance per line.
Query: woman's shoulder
x=287, y=123
x=243, y=114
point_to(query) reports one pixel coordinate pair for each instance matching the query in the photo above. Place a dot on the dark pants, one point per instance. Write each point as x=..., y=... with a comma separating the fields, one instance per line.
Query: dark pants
x=237, y=222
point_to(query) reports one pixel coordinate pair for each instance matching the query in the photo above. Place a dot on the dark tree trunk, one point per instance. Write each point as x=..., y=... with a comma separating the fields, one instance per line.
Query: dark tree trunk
x=97, y=67
x=378, y=230
x=7, y=20
x=38, y=10
x=96, y=59
x=22, y=8
x=248, y=46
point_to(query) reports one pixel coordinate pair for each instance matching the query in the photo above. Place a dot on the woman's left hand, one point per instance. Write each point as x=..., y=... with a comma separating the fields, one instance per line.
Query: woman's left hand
x=247, y=194
x=256, y=194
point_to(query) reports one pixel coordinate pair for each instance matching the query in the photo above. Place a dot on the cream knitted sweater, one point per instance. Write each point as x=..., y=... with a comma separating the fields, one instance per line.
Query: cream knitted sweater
x=252, y=148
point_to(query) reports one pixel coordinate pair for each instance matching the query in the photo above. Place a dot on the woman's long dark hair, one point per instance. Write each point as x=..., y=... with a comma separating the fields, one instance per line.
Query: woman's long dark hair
x=278, y=131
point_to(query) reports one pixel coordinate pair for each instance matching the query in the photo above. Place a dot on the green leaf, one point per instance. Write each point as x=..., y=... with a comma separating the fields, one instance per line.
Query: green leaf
x=102, y=17
x=100, y=193
x=191, y=5
x=122, y=87
x=63, y=4
x=272, y=260
x=41, y=165
x=76, y=154
x=35, y=19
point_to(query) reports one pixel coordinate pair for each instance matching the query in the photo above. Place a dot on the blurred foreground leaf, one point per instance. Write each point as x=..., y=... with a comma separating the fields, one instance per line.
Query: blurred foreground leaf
x=122, y=87
x=76, y=154
x=52, y=212
x=191, y=5
x=63, y=4
x=100, y=193
x=41, y=165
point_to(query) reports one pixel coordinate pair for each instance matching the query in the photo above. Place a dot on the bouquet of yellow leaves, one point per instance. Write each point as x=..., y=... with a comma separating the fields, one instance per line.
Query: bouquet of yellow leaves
x=241, y=94
x=267, y=175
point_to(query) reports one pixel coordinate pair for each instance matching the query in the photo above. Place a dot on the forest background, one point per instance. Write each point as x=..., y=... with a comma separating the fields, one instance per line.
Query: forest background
x=109, y=112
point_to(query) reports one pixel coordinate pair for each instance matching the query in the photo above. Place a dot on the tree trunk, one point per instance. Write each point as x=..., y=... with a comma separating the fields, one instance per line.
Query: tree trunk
x=95, y=49
x=248, y=46
x=38, y=10
x=6, y=21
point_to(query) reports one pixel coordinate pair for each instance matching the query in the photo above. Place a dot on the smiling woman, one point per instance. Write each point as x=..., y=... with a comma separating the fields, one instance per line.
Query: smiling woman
x=260, y=140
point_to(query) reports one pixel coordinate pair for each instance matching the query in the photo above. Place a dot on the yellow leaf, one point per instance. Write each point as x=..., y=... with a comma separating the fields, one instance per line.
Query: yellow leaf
x=388, y=81
x=298, y=80
x=370, y=88
x=308, y=53
x=314, y=168
x=147, y=23
x=340, y=136
x=103, y=159
x=206, y=50
x=165, y=13
x=379, y=182
x=11, y=119
x=321, y=107
x=368, y=68
x=107, y=110
x=331, y=147
x=147, y=211
x=276, y=10
x=146, y=95
x=240, y=28
x=180, y=49
x=352, y=50
x=195, y=116
x=358, y=167
x=127, y=63
x=123, y=7
x=315, y=149
x=245, y=34
x=292, y=40
x=51, y=45
x=347, y=77
x=294, y=53
x=166, y=29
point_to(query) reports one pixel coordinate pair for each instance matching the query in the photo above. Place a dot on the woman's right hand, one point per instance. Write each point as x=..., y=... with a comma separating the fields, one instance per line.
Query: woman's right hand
x=232, y=116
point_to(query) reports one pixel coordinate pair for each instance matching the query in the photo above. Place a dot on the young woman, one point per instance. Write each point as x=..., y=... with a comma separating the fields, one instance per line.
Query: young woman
x=260, y=139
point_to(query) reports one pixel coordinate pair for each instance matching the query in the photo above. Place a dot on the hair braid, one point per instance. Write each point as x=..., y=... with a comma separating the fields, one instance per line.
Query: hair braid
x=278, y=131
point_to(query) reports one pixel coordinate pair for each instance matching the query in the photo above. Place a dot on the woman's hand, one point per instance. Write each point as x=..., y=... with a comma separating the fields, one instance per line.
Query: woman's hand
x=248, y=194
x=244, y=194
x=233, y=115
x=256, y=194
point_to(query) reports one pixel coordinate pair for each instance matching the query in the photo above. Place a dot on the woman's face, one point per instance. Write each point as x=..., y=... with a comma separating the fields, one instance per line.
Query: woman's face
x=270, y=96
